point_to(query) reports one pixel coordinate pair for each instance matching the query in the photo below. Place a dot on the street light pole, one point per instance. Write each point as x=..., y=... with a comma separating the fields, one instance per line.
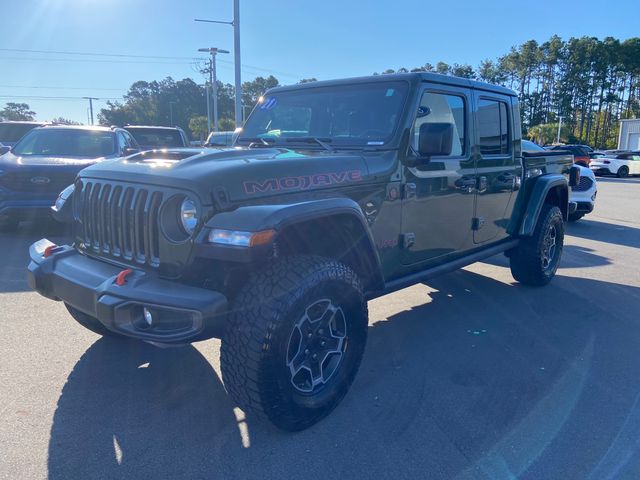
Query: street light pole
x=91, y=99
x=236, y=53
x=559, y=127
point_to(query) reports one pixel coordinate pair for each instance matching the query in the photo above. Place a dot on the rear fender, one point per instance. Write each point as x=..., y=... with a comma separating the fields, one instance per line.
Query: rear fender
x=550, y=188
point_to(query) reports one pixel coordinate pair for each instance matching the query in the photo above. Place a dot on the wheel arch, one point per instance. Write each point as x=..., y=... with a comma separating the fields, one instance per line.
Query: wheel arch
x=332, y=227
x=545, y=189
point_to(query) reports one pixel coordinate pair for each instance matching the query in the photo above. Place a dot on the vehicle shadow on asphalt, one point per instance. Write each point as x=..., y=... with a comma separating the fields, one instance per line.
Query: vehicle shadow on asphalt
x=605, y=232
x=573, y=256
x=618, y=180
x=477, y=377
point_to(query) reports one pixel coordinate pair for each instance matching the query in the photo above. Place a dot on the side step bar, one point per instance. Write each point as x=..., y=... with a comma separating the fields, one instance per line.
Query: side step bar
x=411, y=279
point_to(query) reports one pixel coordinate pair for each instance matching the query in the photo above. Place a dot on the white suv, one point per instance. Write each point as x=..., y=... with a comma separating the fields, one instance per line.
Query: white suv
x=620, y=164
x=583, y=194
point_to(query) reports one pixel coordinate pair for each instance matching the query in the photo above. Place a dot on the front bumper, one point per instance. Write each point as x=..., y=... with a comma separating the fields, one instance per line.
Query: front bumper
x=181, y=313
x=26, y=208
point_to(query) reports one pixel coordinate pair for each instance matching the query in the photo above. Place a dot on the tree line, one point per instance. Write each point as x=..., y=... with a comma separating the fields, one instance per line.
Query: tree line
x=592, y=84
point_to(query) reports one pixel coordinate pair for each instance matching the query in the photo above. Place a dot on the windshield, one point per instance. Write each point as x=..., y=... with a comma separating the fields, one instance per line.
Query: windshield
x=12, y=132
x=528, y=146
x=356, y=114
x=67, y=143
x=157, y=137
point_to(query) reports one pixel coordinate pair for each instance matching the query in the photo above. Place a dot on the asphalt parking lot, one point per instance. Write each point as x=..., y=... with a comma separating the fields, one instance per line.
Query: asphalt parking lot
x=469, y=377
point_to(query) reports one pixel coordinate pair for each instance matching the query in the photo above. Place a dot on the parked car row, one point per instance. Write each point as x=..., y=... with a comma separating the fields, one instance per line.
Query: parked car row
x=40, y=160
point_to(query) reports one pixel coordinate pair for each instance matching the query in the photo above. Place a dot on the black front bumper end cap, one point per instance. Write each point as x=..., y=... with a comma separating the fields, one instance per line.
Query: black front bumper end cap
x=181, y=313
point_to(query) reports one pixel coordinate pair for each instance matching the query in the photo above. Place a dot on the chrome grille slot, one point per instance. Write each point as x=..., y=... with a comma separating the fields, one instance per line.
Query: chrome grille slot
x=120, y=221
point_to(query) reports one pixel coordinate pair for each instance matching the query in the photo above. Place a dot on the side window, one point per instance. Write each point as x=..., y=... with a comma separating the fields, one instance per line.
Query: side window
x=493, y=127
x=442, y=108
x=129, y=140
x=122, y=142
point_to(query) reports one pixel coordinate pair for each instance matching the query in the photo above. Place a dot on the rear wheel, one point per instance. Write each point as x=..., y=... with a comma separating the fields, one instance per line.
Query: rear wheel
x=623, y=172
x=90, y=323
x=536, y=258
x=295, y=339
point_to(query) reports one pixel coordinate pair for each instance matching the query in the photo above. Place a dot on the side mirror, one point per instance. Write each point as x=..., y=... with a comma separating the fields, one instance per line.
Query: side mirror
x=4, y=149
x=435, y=139
x=574, y=176
x=130, y=151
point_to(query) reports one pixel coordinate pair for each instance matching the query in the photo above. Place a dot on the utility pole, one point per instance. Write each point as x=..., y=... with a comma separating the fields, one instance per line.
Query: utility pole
x=206, y=89
x=236, y=53
x=213, y=79
x=91, y=99
x=559, y=127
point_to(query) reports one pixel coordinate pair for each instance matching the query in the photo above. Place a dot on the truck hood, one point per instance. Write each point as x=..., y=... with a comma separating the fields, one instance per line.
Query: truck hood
x=10, y=159
x=242, y=172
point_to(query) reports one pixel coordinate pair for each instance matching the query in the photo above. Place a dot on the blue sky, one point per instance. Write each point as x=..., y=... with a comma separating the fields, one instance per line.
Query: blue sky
x=291, y=39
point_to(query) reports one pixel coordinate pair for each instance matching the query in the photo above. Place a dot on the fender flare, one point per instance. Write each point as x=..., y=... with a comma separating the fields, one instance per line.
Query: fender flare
x=531, y=203
x=255, y=218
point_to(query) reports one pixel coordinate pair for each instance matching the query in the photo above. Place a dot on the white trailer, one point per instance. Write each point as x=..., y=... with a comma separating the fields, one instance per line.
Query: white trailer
x=629, y=138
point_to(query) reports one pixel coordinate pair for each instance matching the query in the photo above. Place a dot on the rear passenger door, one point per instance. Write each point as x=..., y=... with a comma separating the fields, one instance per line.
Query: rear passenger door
x=497, y=174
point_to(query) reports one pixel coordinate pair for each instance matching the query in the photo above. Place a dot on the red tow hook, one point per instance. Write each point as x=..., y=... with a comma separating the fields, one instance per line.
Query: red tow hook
x=122, y=277
x=50, y=250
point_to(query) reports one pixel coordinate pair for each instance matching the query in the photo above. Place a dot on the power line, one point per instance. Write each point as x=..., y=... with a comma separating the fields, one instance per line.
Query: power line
x=44, y=97
x=91, y=60
x=94, y=54
x=63, y=88
x=123, y=55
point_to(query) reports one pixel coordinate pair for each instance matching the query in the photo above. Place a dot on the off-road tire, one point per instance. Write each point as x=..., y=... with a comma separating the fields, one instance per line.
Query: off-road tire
x=623, y=172
x=574, y=217
x=90, y=323
x=527, y=259
x=256, y=343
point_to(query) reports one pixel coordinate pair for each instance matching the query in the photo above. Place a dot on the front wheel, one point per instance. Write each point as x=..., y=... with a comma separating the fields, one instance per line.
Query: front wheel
x=295, y=339
x=622, y=172
x=536, y=258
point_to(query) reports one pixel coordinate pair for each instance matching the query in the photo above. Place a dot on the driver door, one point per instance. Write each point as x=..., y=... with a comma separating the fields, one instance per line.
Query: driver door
x=439, y=196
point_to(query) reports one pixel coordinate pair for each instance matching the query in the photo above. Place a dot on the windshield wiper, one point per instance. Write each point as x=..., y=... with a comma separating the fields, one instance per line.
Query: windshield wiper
x=323, y=142
x=256, y=141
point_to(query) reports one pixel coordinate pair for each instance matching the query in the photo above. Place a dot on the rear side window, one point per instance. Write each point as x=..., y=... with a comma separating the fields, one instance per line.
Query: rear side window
x=493, y=127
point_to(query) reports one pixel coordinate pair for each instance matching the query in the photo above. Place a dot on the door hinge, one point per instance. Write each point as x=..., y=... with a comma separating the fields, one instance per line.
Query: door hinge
x=407, y=240
x=477, y=223
x=408, y=191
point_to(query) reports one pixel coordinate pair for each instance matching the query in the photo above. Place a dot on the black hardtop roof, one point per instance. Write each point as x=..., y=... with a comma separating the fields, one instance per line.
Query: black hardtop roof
x=415, y=77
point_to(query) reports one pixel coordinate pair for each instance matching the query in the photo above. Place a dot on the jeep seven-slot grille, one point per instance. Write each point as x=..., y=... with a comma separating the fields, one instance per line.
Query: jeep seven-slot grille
x=120, y=221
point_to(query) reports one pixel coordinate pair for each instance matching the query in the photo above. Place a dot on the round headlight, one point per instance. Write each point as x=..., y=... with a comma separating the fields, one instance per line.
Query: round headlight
x=188, y=215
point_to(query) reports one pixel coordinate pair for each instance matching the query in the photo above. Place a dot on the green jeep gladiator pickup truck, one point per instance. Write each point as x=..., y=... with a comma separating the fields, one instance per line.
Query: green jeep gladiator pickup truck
x=334, y=193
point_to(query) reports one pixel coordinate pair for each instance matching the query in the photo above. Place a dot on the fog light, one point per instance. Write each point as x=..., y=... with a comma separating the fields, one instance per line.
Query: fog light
x=148, y=317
